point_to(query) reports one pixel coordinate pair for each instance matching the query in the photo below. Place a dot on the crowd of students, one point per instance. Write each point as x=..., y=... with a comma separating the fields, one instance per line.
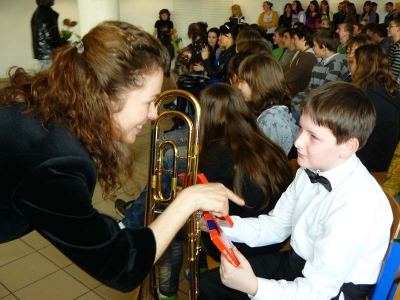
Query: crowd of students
x=329, y=98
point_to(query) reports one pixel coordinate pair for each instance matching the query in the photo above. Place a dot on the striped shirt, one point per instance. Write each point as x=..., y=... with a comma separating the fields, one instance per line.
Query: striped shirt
x=394, y=58
x=334, y=68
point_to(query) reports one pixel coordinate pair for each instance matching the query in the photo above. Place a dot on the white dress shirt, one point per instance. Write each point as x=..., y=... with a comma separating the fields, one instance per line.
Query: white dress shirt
x=343, y=235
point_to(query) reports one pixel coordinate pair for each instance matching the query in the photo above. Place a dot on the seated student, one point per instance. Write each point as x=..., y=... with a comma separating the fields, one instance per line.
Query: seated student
x=226, y=41
x=327, y=24
x=299, y=74
x=391, y=13
x=331, y=209
x=333, y=66
x=232, y=149
x=353, y=44
x=290, y=51
x=286, y=19
x=394, y=49
x=379, y=36
x=345, y=31
x=278, y=42
x=358, y=28
x=263, y=88
x=371, y=71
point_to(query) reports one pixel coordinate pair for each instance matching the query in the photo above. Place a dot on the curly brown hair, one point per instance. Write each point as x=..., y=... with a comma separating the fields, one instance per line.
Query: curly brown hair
x=82, y=90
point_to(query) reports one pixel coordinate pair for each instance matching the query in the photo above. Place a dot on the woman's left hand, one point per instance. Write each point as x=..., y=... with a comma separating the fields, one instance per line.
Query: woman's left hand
x=242, y=277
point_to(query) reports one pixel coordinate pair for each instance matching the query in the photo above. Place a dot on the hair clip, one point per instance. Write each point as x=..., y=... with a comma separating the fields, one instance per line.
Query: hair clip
x=226, y=26
x=79, y=45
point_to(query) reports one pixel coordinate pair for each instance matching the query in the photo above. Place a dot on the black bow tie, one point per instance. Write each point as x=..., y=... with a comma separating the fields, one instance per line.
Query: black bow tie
x=320, y=179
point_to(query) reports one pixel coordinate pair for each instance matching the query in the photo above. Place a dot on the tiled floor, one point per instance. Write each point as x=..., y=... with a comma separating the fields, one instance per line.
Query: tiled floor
x=32, y=269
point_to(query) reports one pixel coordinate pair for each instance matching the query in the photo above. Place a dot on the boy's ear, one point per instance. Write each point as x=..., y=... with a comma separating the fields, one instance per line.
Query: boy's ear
x=349, y=147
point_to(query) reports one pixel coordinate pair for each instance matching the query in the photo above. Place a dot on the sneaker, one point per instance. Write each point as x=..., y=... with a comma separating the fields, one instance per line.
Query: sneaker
x=170, y=106
x=121, y=206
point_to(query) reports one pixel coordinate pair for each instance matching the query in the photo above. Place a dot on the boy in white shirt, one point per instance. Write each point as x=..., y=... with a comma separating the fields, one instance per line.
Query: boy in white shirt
x=339, y=225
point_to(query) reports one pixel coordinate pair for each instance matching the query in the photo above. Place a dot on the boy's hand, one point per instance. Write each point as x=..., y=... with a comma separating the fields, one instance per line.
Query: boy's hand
x=241, y=278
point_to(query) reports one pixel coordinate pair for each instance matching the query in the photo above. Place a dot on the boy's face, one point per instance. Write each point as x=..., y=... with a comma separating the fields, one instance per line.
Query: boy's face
x=316, y=146
x=278, y=40
x=287, y=40
x=300, y=44
x=318, y=51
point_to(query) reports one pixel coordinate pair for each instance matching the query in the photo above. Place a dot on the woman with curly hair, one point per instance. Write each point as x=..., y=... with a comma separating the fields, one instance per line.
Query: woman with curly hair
x=371, y=71
x=64, y=128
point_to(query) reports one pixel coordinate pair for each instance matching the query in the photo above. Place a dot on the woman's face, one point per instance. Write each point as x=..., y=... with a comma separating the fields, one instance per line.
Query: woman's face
x=164, y=17
x=138, y=107
x=212, y=39
x=266, y=7
x=366, y=8
x=312, y=7
x=346, y=10
x=245, y=90
x=350, y=55
x=323, y=6
x=294, y=5
x=234, y=11
x=287, y=10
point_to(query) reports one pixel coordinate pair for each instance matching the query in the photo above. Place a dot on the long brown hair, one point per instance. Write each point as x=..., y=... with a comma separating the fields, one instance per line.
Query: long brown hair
x=373, y=68
x=227, y=120
x=265, y=78
x=81, y=90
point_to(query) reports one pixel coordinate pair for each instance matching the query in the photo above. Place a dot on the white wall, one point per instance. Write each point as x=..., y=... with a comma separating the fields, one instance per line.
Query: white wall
x=15, y=16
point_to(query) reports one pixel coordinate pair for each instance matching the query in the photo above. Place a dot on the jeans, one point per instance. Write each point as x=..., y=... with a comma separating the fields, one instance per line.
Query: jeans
x=170, y=263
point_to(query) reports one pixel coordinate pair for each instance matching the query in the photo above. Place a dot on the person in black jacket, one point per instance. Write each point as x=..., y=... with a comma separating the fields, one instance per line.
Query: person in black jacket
x=371, y=71
x=45, y=34
x=226, y=41
x=63, y=129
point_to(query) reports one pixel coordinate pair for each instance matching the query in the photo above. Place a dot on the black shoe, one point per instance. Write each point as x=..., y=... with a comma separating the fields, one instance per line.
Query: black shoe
x=170, y=106
x=121, y=206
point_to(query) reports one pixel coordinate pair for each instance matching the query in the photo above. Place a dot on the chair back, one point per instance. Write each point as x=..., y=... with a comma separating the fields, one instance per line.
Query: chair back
x=386, y=285
x=395, y=228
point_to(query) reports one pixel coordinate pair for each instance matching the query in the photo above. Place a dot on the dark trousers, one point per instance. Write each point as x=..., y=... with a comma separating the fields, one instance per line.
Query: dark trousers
x=279, y=266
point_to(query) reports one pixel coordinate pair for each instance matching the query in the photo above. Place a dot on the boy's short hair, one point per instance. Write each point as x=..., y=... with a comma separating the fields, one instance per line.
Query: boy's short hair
x=380, y=30
x=290, y=31
x=328, y=38
x=306, y=33
x=280, y=30
x=352, y=115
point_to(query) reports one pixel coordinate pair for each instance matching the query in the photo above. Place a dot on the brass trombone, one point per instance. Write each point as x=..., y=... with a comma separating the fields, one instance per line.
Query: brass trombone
x=148, y=289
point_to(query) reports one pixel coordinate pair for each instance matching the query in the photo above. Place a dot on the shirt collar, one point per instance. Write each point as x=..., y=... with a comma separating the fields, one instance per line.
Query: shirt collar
x=339, y=174
x=327, y=60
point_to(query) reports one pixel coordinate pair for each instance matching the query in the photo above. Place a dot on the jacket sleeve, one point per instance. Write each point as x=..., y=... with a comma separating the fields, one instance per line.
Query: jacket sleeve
x=219, y=70
x=261, y=20
x=52, y=34
x=56, y=198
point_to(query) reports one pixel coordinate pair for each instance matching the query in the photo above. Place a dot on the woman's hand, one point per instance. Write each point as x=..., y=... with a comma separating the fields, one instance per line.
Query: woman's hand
x=241, y=278
x=205, y=53
x=198, y=67
x=212, y=197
